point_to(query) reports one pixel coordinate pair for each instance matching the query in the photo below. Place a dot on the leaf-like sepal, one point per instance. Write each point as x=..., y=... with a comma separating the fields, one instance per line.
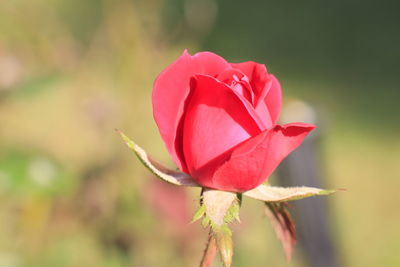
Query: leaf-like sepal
x=199, y=214
x=217, y=205
x=223, y=237
x=162, y=172
x=283, y=225
x=279, y=194
x=221, y=208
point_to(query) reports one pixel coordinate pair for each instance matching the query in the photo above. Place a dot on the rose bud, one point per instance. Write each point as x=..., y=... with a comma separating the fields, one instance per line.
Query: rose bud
x=219, y=121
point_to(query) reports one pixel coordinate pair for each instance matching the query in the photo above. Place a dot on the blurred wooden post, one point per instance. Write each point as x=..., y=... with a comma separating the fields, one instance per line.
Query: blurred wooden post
x=304, y=167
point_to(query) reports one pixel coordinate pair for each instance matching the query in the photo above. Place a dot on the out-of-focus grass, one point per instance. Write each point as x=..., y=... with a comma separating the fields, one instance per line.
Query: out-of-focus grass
x=73, y=195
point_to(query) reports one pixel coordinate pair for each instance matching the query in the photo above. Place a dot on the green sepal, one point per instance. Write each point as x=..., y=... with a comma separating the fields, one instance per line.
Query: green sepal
x=283, y=225
x=222, y=208
x=233, y=212
x=223, y=237
x=282, y=194
x=171, y=176
x=206, y=222
x=199, y=213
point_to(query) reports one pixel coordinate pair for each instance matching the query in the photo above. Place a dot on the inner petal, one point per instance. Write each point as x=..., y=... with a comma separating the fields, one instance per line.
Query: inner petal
x=238, y=82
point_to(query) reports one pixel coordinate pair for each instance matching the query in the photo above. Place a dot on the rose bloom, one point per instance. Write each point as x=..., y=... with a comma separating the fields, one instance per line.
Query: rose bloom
x=219, y=121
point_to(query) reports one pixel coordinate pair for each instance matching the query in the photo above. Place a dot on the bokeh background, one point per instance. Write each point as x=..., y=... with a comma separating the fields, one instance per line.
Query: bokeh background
x=72, y=194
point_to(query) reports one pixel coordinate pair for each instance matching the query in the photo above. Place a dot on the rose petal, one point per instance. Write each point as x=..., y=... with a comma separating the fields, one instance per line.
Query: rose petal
x=238, y=81
x=171, y=89
x=266, y=89
x=257, y=74
x=261, y=109
x=250, y=163
x=216, y=120
x=273, y=99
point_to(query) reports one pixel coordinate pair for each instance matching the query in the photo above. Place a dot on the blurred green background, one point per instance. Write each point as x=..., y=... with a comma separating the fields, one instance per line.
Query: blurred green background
x=71, y=193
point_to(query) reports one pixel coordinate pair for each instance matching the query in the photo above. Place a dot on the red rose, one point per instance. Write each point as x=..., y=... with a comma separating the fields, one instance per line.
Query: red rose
x=219, y=121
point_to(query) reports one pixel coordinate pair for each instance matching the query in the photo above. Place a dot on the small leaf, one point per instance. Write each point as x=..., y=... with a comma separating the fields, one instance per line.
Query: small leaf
x=199, y=213
x=280, y=194
x=233, y=212
x=166, y=174
x=283, y=225
x=206, y=221
x=225, y=245
x=217, y=204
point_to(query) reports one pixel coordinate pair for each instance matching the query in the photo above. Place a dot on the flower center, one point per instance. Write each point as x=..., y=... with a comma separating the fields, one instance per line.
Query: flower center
x=238, y=82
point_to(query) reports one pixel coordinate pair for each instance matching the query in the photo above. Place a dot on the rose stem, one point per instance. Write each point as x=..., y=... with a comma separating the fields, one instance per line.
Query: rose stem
x=209, y=252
